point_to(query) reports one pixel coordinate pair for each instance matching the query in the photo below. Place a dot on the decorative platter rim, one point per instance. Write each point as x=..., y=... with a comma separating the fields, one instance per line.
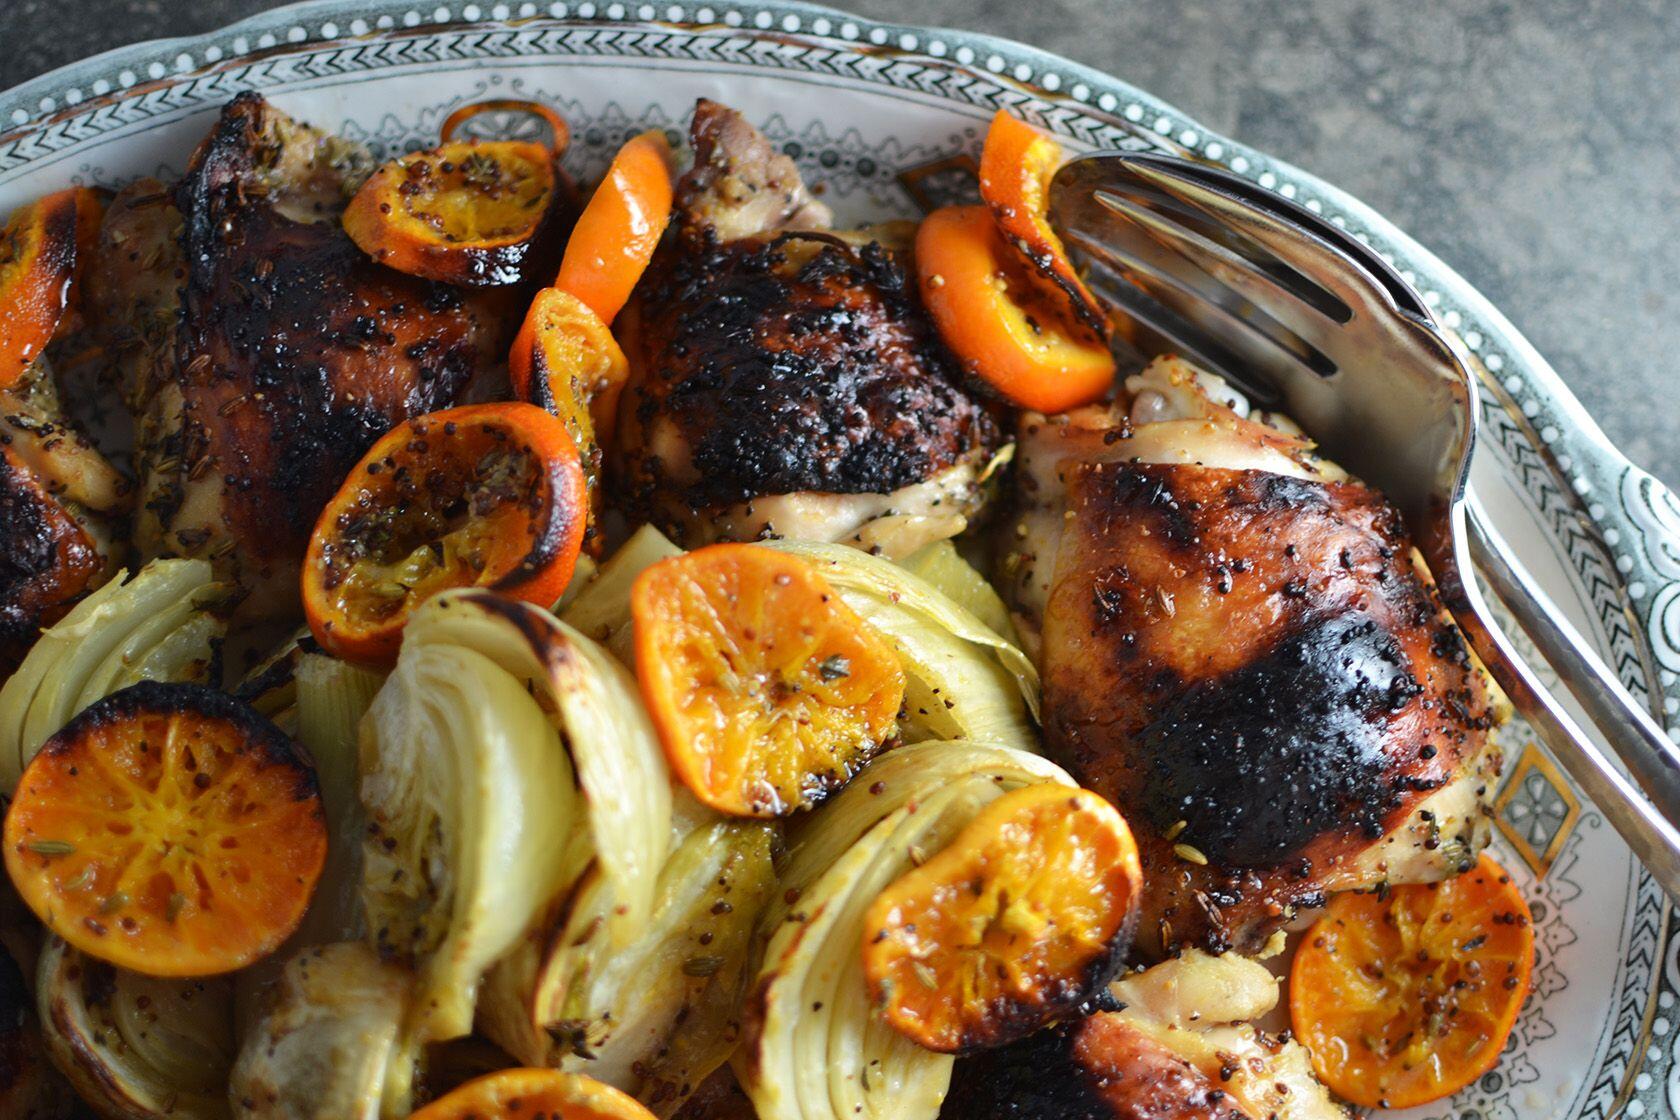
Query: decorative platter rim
x=1618, y=529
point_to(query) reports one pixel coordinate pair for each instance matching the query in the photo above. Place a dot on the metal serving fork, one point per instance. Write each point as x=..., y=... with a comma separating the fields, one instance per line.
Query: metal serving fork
x=1307, y=320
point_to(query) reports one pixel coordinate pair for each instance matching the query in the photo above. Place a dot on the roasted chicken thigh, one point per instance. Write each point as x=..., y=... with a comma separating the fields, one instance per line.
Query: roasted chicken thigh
x=1240, y=650
x=262, y=351
x=784, y=379
x=61, y=505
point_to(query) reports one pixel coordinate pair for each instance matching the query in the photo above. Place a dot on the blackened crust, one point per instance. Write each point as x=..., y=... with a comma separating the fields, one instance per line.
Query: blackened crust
x=1251, y=669
x=1100, y=1068
x=795, y=364
x=47, y=560
x=256, y=735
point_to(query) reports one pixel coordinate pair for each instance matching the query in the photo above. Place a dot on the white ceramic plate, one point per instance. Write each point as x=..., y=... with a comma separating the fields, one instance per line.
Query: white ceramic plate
x=889, y=119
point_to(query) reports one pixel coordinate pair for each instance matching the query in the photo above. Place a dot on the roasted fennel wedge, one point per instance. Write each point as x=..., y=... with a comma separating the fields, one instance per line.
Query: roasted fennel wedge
x=164, y=624
x=943, y=567
x=815, y=1047
x=471, y=808
x=332, y=698
x=600, y=608
x=504, y=756
x=329, y=697
x=322, y=1039
x=134, y=1046
x=962, y=679
x=656, y=1017
x=593, y=702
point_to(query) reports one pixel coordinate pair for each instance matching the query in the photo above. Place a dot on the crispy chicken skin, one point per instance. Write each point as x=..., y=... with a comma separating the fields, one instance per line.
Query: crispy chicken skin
x=133, y=289
x=785, y=380
x=60, y=504
x=1251, y=666
x=285, y=355
x=1179, y=1049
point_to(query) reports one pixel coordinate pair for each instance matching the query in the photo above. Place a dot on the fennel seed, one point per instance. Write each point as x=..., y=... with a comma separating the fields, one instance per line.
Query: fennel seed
x=177, y=901
x=925, y=975
x=1173, y=830
x=702, y=966
x=116, y=901
x=51, y=847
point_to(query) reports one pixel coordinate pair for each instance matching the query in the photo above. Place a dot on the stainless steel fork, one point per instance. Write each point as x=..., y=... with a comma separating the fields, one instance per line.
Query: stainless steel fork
x=1308, y=320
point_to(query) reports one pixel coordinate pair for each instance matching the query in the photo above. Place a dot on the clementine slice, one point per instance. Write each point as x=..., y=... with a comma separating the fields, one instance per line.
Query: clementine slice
x=1022, y=918
x=1407, y=996
x=998, y=319
x=170, y=830
x=768, y=692
x=533, y=1094
x=485, y=495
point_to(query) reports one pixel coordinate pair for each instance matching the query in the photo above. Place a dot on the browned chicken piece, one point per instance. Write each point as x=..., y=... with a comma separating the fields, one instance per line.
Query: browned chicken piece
x=133, y=289
x=740, y=186
x=61, y=504
x=785, y=380
x=1241, y=652
x=287, y=353
x=1179, y=1050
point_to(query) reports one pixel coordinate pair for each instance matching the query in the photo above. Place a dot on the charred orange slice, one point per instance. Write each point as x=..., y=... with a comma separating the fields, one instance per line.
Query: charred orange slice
x=487, y=495
x=1019, y=920
x=1407, y=996
x=168, y=829
x=1016, y=167
x=620, y=227
x=466, y=212
x=37, y=264
x=559, y=132
x=533, y=1094
x=566, y=361
x=1000, y=321
x=768, y=692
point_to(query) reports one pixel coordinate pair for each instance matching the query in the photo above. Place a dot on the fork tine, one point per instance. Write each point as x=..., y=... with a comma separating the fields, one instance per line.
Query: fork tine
x=1157, y=329
x=1220, y=244
x=1315, y=326
x=1160, y=256
x=1330, y=266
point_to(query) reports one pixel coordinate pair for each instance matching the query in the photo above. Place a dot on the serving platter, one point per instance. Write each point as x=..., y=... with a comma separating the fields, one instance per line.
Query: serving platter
x=889, y=120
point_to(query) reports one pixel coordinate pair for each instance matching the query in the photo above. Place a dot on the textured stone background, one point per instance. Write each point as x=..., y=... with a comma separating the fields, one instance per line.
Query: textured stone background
x=1530, y=143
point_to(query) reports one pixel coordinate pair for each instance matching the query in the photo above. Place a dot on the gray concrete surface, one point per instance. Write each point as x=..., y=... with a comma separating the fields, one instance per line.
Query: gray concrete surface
x=1533, y=144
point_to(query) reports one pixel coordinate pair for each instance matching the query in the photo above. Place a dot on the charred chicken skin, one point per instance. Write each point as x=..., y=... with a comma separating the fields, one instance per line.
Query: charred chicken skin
x=784, y=379
x=1239, y=650
x=263, y=352
x=61, y=503
x=1180, y=1048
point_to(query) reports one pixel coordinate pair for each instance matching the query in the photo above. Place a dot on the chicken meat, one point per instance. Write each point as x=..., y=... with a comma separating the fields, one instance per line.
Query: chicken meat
x=261, y=351
x=1181, y=1048
x=785, y=381
x=1241, y=650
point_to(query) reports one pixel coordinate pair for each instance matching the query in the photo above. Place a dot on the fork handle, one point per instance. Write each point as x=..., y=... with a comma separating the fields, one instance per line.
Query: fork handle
x=1647, y=823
